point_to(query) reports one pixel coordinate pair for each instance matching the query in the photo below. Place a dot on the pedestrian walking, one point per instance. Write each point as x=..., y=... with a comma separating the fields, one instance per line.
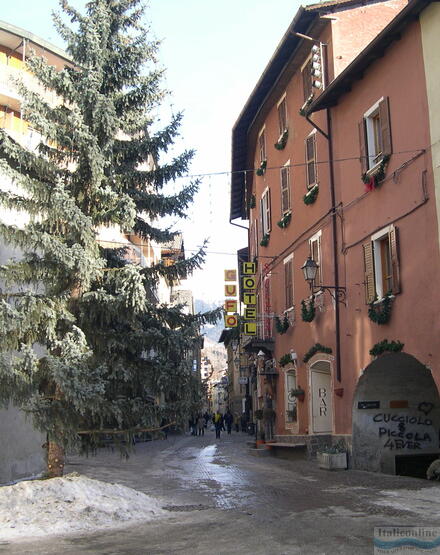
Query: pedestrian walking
x=207, y=418
x=218, y=423
x=201, y=425
x=228, y=421
x=236, y=422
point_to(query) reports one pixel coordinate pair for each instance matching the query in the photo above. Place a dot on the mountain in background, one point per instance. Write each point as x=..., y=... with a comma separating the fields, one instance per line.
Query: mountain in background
x=211, y=331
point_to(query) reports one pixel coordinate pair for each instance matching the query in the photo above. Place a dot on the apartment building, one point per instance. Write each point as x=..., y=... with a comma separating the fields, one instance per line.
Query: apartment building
x=338, y=133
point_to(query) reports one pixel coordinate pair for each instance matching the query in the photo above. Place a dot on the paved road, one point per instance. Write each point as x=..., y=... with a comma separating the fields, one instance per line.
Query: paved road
x=221, y=500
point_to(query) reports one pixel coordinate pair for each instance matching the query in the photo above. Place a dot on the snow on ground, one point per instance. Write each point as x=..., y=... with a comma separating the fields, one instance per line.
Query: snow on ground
x=70, y=505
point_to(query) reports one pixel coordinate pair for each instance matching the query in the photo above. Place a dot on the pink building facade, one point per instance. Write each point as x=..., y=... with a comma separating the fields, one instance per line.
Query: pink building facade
x=338, y=130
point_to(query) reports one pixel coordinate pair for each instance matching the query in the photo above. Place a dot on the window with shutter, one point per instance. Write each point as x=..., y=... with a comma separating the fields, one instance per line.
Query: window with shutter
x=370, y=284
x=285, y=189
x=282, y=115
x=265, y=212
x=375, y=135
x=315, y=253
x=311, y=161
x=381, y=264
x=307, y=78
x=262, y=145
x=288, y=282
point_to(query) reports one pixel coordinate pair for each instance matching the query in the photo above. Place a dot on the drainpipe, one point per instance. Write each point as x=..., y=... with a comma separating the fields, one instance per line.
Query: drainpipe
x=335, y=245
x=328, y=136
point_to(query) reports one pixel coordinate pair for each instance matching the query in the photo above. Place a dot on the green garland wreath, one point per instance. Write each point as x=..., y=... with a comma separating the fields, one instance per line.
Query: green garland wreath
x=265, y=240
x=262, y=169
x=282, y=326
x=308, y=312
x=317, y=348
x=312, y=195
x=386, y=346
x=285, y=360
x=380, y=313
x=285, y=221
x=374, y=179
x=281, y=143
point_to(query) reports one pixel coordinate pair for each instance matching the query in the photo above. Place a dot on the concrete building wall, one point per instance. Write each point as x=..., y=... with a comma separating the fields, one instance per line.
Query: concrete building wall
x=21, y=454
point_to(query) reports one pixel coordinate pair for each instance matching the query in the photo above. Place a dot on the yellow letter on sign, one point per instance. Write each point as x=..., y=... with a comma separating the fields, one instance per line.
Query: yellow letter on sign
x=250, y=328
x=250, y=313
x=230, y=275
x=249, y=282
x=249, y=298
x=230, y=305
x=231, y=321
x=230, y=290
x=248, y=268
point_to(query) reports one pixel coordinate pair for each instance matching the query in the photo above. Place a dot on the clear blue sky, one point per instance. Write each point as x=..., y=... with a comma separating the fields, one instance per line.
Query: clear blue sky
x=214, y=53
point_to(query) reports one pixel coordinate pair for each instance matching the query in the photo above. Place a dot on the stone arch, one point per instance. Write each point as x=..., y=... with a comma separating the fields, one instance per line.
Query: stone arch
x=396, y=415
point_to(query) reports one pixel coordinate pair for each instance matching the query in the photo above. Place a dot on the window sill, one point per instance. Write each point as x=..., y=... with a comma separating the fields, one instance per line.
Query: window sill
x=379, y=301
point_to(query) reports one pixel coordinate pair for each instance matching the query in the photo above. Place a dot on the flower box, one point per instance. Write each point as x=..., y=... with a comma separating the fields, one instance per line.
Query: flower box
x=332, y=461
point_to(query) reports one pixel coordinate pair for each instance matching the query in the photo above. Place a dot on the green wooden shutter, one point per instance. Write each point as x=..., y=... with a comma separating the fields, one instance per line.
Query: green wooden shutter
x=370, y=284
x=392, y=238
x=384, y=116
x=363, y=146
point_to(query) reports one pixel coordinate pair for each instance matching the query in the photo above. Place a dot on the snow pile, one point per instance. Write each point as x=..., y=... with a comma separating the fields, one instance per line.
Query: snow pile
x=69, y=505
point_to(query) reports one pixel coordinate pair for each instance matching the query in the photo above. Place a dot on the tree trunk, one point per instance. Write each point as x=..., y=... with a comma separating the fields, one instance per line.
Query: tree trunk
x=55, y=460
x=55, y=452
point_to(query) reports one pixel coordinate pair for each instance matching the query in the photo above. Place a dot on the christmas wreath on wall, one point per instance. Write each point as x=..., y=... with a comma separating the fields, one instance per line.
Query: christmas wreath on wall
x=373, y=179
x=262, y=169
x=282, y=325
x=308, y=312
x=380, y=312
x=386, y=346
x=281, y=143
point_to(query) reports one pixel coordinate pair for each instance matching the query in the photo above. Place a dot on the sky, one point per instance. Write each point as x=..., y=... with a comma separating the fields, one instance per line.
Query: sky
x=214, y=53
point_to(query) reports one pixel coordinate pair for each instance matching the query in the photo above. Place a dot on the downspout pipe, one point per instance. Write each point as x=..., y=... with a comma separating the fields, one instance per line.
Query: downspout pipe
x=335, y=245
x=328, y=136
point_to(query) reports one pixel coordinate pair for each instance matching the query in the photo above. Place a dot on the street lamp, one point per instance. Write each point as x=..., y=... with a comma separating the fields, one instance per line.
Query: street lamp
x=310, y=268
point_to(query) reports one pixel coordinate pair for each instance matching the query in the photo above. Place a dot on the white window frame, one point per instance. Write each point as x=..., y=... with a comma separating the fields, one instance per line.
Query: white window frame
x=311, y=185
x=303, y=68
x=265, y=212
x=317, y=238
x=286, y=261
x=280, y=101
x=285, y=169
x=373, y=157
x=378, y=270
x=262, y=150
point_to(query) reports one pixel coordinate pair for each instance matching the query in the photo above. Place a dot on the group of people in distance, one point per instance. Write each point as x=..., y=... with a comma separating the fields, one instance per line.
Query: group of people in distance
x=198, y=423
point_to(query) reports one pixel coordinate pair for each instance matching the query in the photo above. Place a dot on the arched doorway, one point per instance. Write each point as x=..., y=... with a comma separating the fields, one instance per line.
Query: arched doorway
x=321, y=397
x=396, y=416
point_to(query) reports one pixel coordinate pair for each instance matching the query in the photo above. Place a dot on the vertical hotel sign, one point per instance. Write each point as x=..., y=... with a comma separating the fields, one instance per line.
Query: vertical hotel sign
x=249, y=282
x=230, y=306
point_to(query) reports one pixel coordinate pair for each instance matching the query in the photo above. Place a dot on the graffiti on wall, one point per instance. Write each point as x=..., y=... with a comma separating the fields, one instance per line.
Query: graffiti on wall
x=404, y=431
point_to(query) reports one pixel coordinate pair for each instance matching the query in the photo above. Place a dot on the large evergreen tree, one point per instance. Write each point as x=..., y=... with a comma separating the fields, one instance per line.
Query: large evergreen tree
x=84, y=345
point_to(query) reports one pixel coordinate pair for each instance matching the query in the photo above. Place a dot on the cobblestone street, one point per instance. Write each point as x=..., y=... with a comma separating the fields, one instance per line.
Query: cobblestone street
x=222, y=500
